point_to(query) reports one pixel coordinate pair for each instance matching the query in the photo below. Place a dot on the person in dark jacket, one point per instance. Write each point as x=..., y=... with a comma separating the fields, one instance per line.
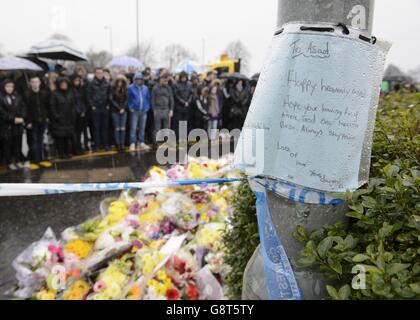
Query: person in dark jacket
x=12, y=122
x=201, y=115
x=119, y=104
x=162, y=102
x=184, y=97
x=37, y=103
x=227, y=103
x=215, y=106
x=98, y=98
x=239, y=108
x=80, y=104
x=63, y=117
x=149, y=82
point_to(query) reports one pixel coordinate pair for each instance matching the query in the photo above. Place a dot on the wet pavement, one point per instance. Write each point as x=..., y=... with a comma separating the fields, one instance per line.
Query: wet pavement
x=25, y=219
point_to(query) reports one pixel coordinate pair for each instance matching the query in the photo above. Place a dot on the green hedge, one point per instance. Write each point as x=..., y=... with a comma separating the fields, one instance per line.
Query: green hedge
x=383, y=239
x=241, y=239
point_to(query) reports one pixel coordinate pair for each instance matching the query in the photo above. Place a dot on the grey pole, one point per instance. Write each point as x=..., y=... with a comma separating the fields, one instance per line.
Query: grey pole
x=138, y=27
x=110, y=40
x=287, y=215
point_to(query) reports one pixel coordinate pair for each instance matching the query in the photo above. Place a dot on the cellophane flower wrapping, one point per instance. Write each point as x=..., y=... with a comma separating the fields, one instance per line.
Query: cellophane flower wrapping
x=152, y=244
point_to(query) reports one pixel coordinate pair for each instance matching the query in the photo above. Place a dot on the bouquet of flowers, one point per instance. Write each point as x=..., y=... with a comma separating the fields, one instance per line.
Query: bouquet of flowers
x=161, y=243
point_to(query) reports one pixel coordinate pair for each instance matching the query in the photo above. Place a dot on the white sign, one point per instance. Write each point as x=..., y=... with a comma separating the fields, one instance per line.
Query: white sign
x=315, y=104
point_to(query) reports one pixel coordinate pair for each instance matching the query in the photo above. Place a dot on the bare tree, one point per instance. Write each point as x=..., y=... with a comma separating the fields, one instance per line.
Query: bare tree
x=415, y=74
x=146, y=53
x=237, y=50
x=1, y=53
x=96, y=59
x=174, y=53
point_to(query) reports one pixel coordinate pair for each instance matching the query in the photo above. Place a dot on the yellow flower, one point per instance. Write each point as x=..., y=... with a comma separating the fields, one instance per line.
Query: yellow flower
x=195, y=171
x=79, y=248
x=148, y=268
x=45, y=295
x=167, y=284
x=202, y=207
x=161, y=275
x=205, y=218
x=210, y=234
x=117, y=212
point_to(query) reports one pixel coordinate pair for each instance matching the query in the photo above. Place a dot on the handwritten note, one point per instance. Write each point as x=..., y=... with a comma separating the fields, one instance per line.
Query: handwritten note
x=314, y=100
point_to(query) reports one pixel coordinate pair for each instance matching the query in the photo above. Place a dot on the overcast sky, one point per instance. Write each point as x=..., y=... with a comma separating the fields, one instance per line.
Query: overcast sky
x=188, y=22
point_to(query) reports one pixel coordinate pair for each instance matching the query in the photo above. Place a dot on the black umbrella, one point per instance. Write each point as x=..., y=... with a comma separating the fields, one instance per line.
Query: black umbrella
x=57, y=50
x=37, y=61
x=233, y=75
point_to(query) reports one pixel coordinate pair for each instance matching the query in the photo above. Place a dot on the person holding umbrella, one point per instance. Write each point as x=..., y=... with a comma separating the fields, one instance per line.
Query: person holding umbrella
x=98, y=98
x=12, y=123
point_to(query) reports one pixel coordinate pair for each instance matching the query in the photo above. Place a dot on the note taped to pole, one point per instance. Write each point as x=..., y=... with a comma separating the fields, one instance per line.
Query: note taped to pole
x=312, y=116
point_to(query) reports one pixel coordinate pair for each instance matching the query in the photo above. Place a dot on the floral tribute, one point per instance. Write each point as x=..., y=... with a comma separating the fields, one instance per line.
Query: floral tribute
x=152, y=244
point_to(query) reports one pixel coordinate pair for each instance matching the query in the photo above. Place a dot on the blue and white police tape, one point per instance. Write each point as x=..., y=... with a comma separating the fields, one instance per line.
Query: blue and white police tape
x=32, y=189
x=298, y=193
x=279, y=276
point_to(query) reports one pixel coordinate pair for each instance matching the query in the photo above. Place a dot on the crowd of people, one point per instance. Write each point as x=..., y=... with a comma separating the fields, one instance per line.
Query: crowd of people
x=70, y=115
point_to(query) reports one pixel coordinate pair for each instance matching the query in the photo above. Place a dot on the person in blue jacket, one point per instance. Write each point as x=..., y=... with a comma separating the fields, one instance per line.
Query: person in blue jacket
x=138, y=106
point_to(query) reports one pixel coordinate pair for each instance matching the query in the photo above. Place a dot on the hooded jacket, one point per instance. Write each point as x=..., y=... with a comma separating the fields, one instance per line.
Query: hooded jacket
x=11, y=108
x=119, y=98
x=138, y=97
x=63, y=112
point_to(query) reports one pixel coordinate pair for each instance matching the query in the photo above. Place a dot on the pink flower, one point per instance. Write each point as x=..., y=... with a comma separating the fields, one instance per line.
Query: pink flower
x=212, y=212
x=99, y=286
x=134, y=209
x=137, y=244
x=56, y=250
x=133, y=223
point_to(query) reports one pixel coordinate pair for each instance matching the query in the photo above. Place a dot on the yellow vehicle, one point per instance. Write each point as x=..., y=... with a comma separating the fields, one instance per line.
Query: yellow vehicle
x=225, y=65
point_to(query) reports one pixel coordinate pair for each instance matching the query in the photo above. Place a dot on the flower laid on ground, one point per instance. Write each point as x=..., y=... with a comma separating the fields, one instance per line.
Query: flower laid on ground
x=158, y=244
x=110, y=284
x=45, y=295
x=77, y=292
x=192, y=292
x=210, y=235
x=172, y=294
x=147, y=259
x=79, y=248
